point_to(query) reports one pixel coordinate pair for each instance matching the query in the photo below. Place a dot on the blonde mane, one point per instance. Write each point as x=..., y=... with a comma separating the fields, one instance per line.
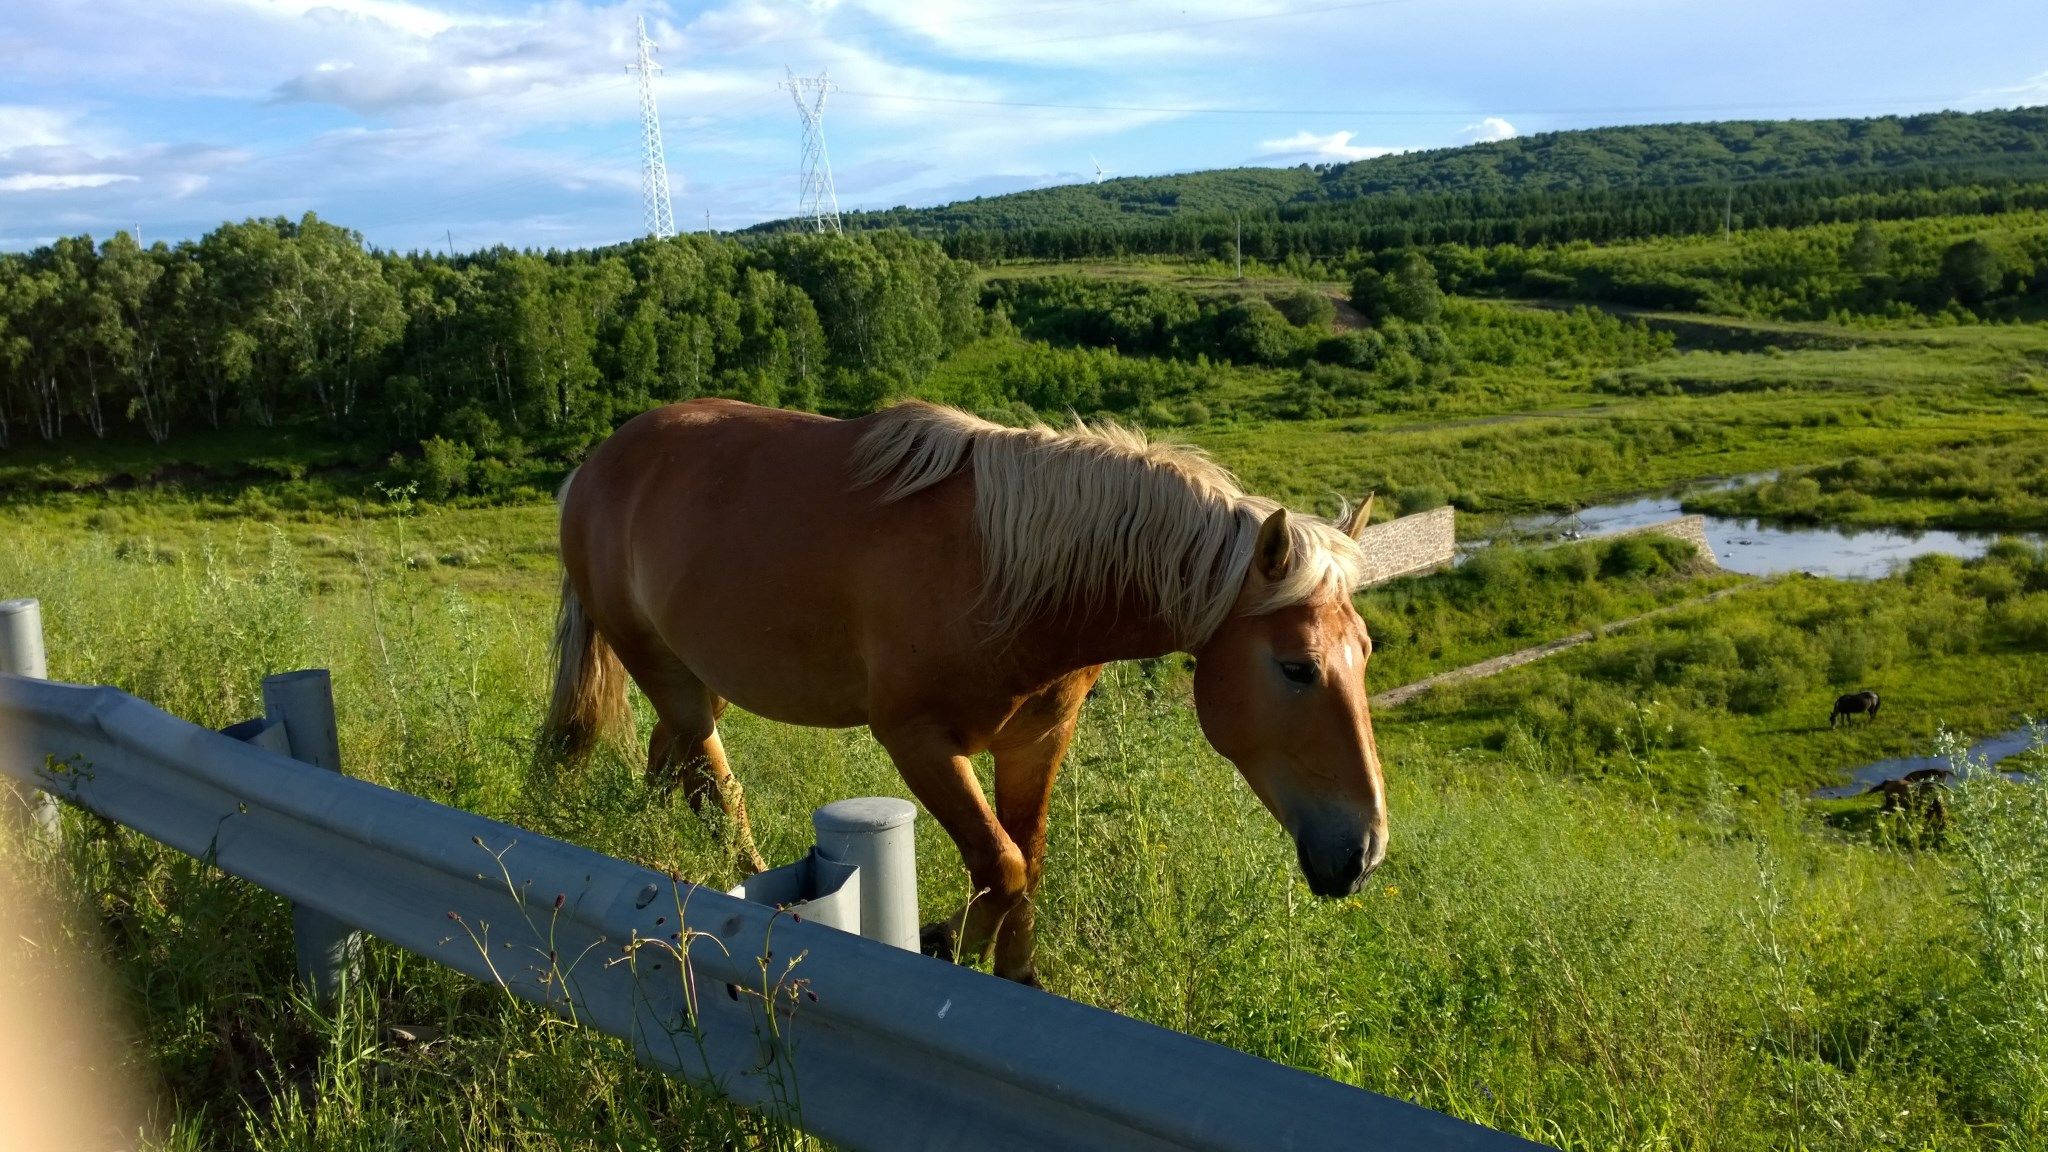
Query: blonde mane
x=1097, y=513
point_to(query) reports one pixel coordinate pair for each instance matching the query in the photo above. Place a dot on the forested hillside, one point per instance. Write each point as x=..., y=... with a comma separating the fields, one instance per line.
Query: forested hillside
x=1534, y=179
x=492, y=367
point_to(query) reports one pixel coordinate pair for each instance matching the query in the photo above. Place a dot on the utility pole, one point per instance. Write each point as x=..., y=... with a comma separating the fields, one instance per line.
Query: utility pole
x=817, y=201
x=661, y=221
x=450, y=233
x=1238, y=245
x=707, y=223
x=1728, y=214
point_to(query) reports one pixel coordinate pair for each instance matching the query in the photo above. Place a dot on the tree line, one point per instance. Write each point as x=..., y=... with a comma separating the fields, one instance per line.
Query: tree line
x=275, y=320
x=1343, y=229
x=2000, y=144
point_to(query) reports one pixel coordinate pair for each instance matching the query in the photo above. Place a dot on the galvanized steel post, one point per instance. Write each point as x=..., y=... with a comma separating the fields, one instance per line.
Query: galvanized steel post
x=21, y=653
x=329, y=951
x=877, y=835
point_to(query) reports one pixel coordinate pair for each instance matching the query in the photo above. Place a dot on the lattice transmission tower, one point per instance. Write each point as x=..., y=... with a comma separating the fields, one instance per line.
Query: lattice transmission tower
x=818, y=201
x=661, y=220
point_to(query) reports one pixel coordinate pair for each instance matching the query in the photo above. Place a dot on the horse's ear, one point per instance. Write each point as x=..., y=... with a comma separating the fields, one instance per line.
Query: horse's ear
x=1275, y=548
x=1354, y=524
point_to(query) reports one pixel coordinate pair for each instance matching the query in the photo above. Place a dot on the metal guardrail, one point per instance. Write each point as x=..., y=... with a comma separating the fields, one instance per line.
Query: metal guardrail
x=865, y=1045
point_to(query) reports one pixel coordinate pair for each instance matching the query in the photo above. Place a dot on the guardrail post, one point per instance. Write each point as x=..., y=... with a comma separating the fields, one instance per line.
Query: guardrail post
x=877, y=835
x=21, y=653
x=329, y=951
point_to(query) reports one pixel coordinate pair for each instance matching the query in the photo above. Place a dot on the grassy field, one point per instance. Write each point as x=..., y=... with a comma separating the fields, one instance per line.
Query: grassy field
x=1593, y=955
x=1608, y=921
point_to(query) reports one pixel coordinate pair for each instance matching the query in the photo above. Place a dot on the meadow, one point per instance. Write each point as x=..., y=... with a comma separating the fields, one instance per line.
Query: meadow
x=1610, y=919
x=1597, y=942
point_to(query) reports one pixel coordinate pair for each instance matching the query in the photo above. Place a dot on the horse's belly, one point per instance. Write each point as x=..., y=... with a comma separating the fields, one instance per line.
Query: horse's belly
x=781, y=670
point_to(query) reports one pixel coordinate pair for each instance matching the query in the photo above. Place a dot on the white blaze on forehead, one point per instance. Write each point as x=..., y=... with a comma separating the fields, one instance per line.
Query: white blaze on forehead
x=1350, y=656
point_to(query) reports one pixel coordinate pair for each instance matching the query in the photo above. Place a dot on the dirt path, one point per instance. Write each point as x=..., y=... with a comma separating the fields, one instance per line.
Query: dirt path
x=1395, y=697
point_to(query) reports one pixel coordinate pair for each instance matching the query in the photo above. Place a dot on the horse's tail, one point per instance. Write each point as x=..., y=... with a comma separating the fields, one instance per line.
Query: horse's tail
x=589, y=705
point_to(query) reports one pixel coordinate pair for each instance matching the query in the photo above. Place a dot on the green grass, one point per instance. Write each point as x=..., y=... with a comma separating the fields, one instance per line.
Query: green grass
x=1607, y=922
x=1737, y=693
x=1505, y=599
x=1595, y=966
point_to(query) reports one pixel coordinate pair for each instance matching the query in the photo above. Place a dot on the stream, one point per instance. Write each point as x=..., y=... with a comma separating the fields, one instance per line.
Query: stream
x=1985, y=753
x=1760, y=548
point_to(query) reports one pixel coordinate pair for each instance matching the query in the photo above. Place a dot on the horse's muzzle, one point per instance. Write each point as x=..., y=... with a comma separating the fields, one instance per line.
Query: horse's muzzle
x=1335, y=859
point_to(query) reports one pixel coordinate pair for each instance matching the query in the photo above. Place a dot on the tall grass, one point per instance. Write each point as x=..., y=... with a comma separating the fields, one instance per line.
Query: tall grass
x=1594, y=967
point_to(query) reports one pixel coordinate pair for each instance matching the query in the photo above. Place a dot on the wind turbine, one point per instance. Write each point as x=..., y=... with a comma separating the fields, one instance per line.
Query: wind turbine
x=1099, y=173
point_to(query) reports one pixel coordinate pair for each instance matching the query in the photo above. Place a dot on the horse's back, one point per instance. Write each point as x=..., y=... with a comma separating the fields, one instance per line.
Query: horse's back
x=732, y=537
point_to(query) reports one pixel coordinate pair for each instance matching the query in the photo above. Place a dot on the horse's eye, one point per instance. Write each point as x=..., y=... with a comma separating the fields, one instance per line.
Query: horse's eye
x=1299, y=671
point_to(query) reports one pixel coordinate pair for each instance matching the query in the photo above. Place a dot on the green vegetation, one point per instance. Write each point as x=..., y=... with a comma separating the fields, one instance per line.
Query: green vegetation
x=1676, y=960
x=1737, y=692
x=1504, y=599
x=1608, y=919
x=1998, y=485
x=1654, y=156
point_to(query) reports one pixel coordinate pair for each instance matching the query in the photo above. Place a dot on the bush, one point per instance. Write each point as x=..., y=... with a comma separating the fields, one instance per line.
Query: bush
x=444, y=467
x=1305, y=307
x=1631, y=557
x=1353, y=349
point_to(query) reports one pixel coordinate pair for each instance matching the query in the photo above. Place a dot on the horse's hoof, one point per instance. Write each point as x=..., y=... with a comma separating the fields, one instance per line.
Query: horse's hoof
x=1029, y=978
x=937, y=940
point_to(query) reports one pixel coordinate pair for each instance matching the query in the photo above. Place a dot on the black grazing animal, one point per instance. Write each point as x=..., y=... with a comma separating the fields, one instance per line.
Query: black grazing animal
x=1850, y=705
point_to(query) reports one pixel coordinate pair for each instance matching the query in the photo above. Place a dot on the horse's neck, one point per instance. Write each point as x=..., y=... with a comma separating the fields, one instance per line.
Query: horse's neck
x=1060, y=642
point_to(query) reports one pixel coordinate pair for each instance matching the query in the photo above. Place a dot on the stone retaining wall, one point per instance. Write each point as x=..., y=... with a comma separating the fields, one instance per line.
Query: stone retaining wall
x=1412, y=544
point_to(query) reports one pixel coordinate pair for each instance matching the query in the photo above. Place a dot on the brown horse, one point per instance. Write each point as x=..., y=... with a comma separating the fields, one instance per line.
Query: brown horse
x=1853, y=704
x=957, y=586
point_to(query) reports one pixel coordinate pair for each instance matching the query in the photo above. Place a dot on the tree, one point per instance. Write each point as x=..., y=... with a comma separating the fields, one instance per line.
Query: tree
x=1414, y=295
x=1972, y=271
x=129, y=280
x=1410, y=292
x=1867, y=251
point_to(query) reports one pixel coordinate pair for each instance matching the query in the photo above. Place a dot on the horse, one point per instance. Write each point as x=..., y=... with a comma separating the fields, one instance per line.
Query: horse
x=1917, y=794
x=1852, y=704
x=957, y=586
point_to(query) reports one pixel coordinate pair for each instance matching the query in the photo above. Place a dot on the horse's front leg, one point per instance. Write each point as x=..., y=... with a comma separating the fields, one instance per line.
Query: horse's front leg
x=941, y=777
x=1027, y=753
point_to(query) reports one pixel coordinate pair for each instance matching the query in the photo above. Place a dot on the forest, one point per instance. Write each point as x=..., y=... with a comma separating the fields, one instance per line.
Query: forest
x=504, y=355
x=1630, y=159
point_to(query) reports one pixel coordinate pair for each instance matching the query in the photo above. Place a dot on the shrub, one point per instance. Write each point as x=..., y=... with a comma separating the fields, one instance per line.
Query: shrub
x=444, y=467
x=1631, y=557
x=1305, y=307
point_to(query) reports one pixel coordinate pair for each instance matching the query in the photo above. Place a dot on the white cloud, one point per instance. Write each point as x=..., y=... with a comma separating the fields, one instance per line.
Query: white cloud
x=59, y=181
x=28, y=126
x=1307, y=146
x=1488, y=130
x=2033, y=91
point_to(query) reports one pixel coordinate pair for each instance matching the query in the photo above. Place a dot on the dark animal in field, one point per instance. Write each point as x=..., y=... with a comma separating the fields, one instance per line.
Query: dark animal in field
x=1917, y=793
x=1853, y=703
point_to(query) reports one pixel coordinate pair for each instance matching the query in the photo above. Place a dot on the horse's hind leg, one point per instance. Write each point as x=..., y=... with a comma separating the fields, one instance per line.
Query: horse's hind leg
x=685, y=749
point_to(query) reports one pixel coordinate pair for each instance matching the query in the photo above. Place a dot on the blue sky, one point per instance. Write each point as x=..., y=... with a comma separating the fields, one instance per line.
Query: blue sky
x=415, y=120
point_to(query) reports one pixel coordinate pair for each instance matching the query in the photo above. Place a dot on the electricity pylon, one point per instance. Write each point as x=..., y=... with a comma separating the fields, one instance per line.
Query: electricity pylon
x=661, y=221
x=817, y=202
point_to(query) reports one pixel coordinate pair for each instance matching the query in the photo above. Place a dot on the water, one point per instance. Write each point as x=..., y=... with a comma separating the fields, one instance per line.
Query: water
x=1758, y=548
x=1984, y=752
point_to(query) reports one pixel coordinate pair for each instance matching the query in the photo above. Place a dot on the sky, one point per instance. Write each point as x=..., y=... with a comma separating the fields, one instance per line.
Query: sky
x=469, y=123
